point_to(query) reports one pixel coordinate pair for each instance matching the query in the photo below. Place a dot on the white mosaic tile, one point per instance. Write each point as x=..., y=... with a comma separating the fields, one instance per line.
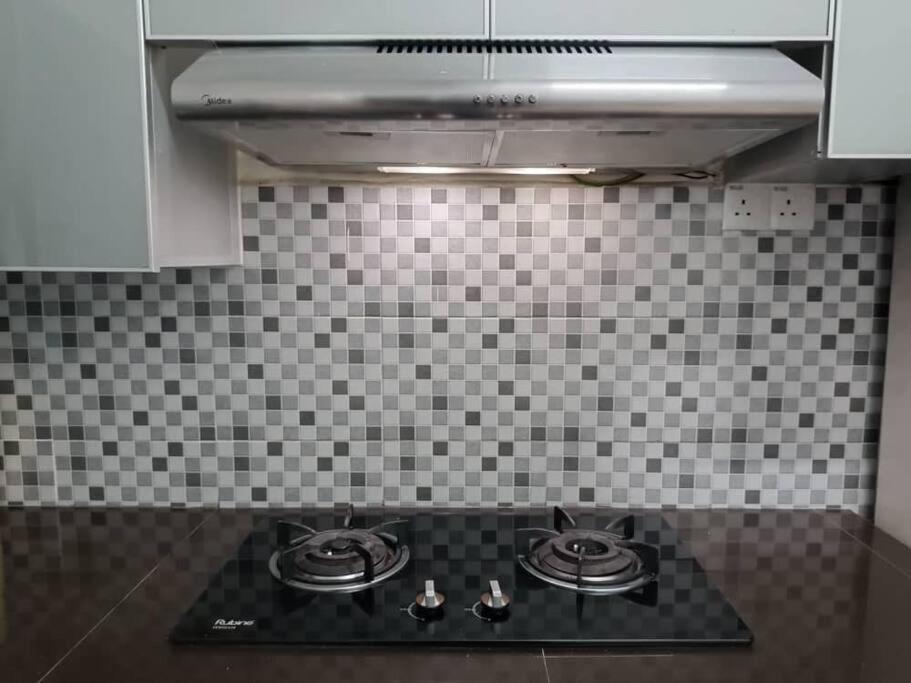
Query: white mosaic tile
x=463, y=346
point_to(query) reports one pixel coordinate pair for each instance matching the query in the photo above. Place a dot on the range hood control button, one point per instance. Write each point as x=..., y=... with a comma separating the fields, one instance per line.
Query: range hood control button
x=504, y=99
x=519, y=99
x=477, y=99
x=532, y=99
x=491, y=99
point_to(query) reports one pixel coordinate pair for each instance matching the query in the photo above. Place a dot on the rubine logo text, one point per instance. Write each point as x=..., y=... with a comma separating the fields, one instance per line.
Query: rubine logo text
x=232, y=624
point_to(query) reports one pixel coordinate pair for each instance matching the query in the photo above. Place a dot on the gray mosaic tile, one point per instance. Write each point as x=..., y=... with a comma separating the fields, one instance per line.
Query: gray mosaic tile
x=463, y=346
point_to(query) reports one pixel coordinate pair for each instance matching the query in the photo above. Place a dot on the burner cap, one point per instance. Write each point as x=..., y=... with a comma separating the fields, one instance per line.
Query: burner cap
x=336, y=545
x=588, y=546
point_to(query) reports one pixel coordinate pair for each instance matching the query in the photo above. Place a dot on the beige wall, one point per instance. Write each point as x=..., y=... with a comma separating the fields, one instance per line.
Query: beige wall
x=893, y=493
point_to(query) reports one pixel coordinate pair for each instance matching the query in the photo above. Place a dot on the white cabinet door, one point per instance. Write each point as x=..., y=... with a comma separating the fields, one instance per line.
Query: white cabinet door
x=870, y=105
x=709, y=20
x=315, y=20
x=73, y=167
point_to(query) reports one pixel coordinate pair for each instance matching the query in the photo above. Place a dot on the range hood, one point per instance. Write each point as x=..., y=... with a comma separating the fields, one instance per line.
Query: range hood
x=496, y=107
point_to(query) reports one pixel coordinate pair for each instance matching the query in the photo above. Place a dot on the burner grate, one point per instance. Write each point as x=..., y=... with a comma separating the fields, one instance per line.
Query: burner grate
x=600, y=562
x=337, y=560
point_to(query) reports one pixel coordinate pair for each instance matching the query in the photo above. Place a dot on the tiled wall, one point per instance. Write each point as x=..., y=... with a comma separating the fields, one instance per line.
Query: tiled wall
x=460, y=345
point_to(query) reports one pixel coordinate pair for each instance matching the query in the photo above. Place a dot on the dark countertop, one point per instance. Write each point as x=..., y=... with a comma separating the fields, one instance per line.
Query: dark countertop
x=90, y=595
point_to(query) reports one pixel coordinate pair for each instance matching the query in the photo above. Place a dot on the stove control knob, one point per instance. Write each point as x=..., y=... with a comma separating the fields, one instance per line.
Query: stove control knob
x=495, y=602
x=429, y=600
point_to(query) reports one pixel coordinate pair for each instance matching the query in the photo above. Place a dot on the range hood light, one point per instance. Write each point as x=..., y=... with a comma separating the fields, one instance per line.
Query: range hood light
x=463, y=170
x=640, y=86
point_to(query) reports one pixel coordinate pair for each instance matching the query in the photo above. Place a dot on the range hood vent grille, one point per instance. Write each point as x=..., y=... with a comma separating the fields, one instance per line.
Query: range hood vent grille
x=512, y=47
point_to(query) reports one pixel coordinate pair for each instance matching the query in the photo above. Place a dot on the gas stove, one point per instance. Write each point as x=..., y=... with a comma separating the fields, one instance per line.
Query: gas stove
x=462, y=577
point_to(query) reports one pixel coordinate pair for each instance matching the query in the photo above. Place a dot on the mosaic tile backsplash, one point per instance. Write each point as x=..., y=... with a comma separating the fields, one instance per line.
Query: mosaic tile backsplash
x=463, y=346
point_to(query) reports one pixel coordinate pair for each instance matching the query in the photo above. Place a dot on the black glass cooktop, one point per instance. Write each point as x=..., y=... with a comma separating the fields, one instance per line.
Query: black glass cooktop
x=461, y=551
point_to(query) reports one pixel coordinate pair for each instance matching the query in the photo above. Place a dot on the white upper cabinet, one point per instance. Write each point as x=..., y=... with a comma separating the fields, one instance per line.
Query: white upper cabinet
x=82, y=186
x=870, y=104
x=657, y=20
x=73, y=161
x=315, y=20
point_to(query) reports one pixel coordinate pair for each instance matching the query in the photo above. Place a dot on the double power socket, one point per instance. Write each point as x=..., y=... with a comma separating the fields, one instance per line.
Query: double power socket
x=769, y=207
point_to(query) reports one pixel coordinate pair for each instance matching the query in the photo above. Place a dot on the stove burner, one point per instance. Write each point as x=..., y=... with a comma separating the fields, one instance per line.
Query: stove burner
x=597, y=562
x=342, y=560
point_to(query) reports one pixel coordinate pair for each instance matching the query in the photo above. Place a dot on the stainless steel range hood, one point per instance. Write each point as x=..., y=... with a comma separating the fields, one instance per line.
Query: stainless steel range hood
x=527, y=105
